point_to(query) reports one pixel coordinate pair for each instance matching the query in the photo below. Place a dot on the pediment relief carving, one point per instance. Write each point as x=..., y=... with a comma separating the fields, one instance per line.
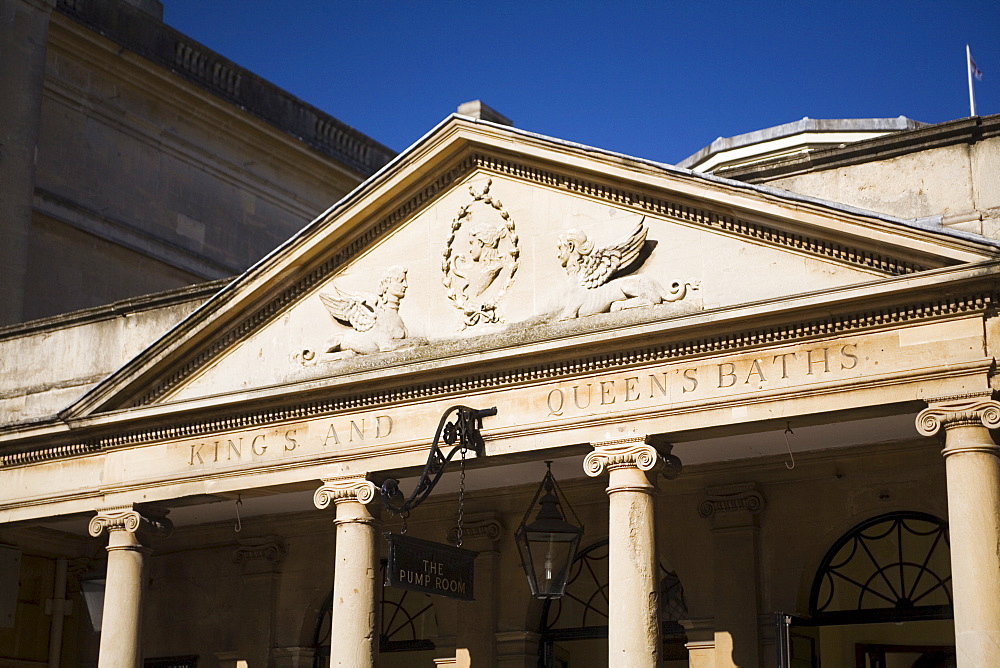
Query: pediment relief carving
x=573, y=277
x=471, y=273
x=369, y=323
x=601, y=279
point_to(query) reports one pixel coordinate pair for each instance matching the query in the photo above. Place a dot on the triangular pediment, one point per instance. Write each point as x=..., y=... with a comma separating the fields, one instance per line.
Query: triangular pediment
x=480, y=236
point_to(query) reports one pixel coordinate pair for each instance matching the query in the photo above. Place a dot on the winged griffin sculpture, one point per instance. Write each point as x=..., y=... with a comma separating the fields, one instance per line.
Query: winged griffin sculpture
x=597, y=280
x=374, y=319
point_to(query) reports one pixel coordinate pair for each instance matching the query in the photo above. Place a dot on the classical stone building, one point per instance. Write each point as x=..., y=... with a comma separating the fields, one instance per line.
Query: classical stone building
x=136, y=160
x=210, y=460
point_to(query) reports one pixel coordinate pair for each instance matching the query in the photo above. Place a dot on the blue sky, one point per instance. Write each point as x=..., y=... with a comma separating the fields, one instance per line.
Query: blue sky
x=657, y=80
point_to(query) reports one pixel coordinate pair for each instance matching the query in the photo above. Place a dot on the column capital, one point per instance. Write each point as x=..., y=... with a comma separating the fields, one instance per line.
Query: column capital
x=133, y=518
x=259, y=555
x=488, y=528
x=960, y=411
x=741, y=498
x=345, y=488
x=646, y=453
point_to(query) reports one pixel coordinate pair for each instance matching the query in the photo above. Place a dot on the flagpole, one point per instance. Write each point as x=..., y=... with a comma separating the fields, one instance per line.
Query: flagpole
x=968, y=70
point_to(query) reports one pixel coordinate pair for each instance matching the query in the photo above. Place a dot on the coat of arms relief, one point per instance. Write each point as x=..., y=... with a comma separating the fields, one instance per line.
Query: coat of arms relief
x=480, y=258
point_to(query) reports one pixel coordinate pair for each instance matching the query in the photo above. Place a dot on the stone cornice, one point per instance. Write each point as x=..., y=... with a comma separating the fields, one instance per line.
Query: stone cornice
x=961, y=411
x=144, y=520
x=344, y=489
x=960, y=131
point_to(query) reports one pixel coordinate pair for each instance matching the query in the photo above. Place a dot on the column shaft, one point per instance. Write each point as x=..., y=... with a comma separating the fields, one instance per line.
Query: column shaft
x=973, y=473
x=354, y=615
x=634, y=615
x=120, y=629
x=737, y=634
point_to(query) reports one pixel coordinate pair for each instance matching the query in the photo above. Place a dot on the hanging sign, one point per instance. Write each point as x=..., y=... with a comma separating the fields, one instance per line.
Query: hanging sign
x=429, y=567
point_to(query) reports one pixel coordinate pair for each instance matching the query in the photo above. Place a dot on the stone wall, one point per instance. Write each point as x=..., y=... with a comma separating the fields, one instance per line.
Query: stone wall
x=145, y=162
x=46, y=365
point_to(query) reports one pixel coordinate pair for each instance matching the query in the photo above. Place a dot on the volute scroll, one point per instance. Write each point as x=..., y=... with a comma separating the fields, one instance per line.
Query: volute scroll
x=965, y=411
x=346, y=488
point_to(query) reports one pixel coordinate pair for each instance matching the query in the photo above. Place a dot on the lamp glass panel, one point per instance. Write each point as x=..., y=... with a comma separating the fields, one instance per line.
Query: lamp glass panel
x=550, y=557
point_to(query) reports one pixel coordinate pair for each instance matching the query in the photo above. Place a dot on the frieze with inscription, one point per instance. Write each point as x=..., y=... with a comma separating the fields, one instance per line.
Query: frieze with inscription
x=316, y=437
x=683, y=383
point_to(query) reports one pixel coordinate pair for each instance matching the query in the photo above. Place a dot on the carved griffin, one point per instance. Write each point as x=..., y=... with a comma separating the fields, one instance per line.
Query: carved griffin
x=597, y=283
x=374, y=319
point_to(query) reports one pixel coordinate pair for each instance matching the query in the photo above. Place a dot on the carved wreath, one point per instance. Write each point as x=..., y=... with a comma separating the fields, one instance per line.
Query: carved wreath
x=477, y=278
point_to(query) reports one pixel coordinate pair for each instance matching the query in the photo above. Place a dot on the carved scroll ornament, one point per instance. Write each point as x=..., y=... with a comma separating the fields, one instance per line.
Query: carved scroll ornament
x=349, y=488
x=631, y=453
x=269, y=550
x=490, y=529
x=975, y=410
x=146, y=521
x=480, y=258
x=735, y=498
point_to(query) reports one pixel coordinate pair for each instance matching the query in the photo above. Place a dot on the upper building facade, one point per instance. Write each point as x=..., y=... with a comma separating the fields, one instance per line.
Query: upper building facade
x=943, y=175
x=743, y=392
x=137, y=160
x=764, y=379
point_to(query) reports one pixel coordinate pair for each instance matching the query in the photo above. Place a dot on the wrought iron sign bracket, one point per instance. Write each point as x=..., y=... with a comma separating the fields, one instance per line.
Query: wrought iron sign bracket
x=461, y=432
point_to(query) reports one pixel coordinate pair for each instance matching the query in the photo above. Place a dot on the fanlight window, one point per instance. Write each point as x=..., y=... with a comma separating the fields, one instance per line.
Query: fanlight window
x=891, y=567
x=408, y=621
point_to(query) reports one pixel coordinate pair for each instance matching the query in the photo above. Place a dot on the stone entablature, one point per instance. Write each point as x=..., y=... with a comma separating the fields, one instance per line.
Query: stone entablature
x=882, y=367
x=220, y=402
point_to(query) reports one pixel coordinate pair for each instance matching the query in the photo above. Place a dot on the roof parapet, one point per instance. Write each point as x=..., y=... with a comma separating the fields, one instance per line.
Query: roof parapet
x=800, y=136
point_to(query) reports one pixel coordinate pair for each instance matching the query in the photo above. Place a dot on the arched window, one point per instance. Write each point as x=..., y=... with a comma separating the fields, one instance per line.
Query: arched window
x=407, y=623
x=894, y=567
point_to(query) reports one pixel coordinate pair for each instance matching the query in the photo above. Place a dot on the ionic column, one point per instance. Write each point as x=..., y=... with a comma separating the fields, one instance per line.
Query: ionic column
x=260, y=561
x=354, y=617
x=127, y=527
x=475, y=632
x=972, y=467
x=733, y=511
x=634, y=602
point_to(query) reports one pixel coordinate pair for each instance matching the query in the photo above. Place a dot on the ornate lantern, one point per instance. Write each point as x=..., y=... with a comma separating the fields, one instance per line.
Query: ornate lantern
x=547, y=545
